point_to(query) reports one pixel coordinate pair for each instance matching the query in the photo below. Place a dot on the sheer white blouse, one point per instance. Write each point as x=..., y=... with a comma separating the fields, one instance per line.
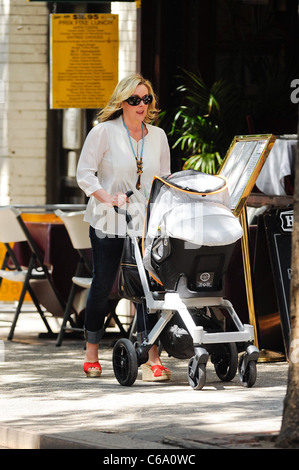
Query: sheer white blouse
x=107, y=161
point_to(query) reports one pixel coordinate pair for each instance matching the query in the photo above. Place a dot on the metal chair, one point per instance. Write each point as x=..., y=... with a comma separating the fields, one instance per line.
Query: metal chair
x=12, y=230
x=78, y=231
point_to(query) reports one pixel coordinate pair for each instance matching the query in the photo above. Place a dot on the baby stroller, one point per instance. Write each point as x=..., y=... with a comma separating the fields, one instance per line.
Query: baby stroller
x=178, y=270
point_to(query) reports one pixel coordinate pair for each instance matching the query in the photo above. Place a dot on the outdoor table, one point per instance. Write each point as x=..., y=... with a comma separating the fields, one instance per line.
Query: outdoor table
x=279, y=165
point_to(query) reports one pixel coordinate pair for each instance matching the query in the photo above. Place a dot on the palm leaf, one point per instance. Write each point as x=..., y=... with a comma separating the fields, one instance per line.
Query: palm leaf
x=202, y=124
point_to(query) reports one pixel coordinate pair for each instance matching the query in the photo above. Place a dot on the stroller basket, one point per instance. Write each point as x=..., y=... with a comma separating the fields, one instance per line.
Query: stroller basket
x=129, y=282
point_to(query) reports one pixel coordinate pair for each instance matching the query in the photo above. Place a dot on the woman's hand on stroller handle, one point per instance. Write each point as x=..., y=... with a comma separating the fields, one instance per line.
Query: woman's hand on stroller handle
x=122, y=211
x=119, y=199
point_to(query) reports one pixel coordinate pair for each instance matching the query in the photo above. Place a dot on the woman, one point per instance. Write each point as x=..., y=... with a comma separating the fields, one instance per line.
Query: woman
x=123, y=152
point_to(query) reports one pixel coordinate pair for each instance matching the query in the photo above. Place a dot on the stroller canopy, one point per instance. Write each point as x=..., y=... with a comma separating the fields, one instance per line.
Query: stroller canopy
x=191, y=206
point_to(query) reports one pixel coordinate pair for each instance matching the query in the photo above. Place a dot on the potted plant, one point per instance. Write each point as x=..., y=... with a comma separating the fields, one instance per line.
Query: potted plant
x=205, y=122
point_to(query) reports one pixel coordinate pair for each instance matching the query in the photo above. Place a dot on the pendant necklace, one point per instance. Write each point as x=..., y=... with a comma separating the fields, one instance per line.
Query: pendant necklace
x=139, y=161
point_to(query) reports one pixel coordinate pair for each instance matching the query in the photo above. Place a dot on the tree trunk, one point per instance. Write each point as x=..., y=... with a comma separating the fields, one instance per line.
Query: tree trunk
x=289, y=433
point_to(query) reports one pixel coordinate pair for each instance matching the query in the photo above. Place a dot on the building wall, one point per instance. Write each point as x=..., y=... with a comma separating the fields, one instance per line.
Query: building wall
x=24, y=93
x=24, y=75
x=127, y=23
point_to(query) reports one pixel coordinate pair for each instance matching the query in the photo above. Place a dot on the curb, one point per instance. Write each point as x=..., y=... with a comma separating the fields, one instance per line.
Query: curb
x=19, y=438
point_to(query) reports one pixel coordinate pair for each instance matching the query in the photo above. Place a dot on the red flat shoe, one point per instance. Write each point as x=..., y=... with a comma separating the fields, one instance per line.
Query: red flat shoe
x=92, y=369
x=155, y=373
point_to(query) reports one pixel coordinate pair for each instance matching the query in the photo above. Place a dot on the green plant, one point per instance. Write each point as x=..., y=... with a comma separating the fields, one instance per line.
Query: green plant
x=197, y=135
x=204, y=124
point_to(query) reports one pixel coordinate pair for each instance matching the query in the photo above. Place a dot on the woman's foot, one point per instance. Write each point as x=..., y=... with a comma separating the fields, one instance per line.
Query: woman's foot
x=91, y=366
x=155, y=373
x=153, y=370
x=92, y=369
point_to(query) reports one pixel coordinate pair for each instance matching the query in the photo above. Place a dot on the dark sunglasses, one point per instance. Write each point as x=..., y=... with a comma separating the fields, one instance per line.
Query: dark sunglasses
x=135, y=100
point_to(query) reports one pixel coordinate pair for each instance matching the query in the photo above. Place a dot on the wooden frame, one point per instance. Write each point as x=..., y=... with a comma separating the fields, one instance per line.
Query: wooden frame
x=242, y=165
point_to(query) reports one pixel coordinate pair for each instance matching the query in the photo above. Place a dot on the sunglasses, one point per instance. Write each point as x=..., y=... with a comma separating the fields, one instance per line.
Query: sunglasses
x=135, y=100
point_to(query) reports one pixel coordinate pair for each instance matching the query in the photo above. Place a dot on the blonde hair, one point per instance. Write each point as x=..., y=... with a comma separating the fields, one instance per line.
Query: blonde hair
x=123, y=90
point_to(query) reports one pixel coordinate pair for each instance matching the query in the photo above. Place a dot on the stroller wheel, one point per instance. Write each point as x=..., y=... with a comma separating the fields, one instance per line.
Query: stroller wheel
x=225, y=360
x=247, y=376
x=196, y=374
x=125, y=364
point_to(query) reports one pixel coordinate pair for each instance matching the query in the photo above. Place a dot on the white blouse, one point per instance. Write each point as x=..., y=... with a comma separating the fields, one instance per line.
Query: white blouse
x=107, y=162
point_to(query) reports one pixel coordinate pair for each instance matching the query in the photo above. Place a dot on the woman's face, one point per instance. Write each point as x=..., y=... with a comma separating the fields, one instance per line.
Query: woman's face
x=136, y=113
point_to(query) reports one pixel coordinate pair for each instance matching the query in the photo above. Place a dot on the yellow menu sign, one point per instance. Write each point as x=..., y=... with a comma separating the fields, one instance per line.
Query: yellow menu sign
x=83, y=59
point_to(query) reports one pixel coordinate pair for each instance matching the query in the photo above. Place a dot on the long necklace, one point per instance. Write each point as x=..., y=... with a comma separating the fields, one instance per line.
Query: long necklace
x=139, y=161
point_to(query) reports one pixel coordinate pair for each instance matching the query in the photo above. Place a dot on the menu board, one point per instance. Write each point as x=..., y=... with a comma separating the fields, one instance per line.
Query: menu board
x=83, y=59
x=279, y=226
x=242, y=165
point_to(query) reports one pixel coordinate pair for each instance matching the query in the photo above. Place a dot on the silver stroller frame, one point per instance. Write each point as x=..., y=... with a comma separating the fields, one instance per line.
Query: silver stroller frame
x=127, y=357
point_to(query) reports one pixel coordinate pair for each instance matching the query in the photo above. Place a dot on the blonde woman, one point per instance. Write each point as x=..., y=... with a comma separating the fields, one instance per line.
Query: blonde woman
x=121, y=153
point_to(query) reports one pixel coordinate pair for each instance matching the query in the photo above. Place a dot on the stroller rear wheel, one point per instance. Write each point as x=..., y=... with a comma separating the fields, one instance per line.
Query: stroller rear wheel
x=196, y=374
x=125, y=363
x=225, y=360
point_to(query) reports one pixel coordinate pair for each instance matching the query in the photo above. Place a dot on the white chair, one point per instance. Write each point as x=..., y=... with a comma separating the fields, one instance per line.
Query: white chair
x=78, y=231
x=12, y=230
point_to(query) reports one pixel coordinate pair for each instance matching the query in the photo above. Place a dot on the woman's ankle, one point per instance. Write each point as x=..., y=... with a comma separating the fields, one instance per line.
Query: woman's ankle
x=153, y=356
x=92, y=352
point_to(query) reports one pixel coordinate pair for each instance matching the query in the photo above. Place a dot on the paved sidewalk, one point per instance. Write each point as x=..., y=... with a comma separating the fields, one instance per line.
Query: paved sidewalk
x=48, y=403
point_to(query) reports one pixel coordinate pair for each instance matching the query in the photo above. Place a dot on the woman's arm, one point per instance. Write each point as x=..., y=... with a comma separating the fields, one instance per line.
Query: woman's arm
x=118, y=199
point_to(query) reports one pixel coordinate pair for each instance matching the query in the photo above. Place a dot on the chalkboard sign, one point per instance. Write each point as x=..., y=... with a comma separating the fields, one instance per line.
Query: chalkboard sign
x=279, y=225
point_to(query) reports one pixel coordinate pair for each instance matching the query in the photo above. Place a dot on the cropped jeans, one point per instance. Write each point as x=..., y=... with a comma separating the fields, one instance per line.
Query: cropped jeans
x=106, y=256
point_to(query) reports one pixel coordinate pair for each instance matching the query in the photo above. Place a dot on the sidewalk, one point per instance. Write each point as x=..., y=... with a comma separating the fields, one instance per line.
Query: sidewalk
x=48, y=403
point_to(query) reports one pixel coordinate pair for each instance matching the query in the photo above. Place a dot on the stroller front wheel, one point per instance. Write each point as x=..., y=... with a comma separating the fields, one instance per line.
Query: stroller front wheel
x=125, y=363
x=225, y=360
x=248, y=373
x=196, y=374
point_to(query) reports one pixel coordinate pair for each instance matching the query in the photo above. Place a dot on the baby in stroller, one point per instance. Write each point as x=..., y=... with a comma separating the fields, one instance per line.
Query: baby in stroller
x=188, y=238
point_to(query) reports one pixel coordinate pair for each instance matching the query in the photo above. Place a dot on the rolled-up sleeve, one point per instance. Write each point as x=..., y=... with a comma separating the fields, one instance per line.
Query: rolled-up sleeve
x=92, y=153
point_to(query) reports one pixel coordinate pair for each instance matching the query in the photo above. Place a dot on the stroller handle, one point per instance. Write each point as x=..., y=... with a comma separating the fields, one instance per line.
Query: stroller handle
x=122, y=211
